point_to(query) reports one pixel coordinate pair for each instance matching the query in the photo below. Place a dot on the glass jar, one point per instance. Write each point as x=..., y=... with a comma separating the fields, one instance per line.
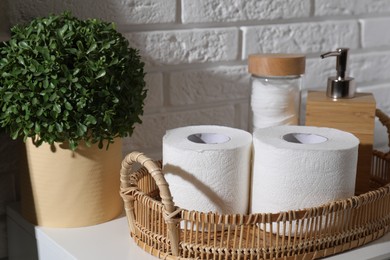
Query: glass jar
x=276, y=89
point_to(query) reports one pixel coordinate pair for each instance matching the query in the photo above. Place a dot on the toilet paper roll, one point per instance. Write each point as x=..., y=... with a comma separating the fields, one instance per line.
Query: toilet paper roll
x=208, y=168
x=296, y=167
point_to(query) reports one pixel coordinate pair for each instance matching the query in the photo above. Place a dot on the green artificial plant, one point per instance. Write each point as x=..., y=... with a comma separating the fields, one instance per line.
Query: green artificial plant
x=63, y=79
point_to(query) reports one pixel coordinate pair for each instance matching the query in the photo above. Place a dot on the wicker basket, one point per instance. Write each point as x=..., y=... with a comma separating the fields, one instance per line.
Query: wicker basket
x=300, y=234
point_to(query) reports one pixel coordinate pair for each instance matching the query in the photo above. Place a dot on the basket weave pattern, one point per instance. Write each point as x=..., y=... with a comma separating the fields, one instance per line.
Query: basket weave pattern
x=168, y=232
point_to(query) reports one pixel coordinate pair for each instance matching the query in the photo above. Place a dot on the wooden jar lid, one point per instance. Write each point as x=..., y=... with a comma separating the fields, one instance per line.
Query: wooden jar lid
x=276, y=64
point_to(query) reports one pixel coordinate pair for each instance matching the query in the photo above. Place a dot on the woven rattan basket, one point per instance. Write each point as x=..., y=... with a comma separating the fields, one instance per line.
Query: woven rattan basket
x=168, y=232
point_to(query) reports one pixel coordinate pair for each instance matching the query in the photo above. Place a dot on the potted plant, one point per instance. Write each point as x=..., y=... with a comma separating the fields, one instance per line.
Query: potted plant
x=70, y=88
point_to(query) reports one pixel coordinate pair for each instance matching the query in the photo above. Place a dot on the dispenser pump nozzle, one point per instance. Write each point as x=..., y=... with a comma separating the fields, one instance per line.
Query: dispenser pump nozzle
x=340, y=86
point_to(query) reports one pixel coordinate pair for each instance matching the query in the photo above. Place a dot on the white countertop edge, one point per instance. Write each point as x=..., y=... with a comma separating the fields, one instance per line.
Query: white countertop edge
x=111, y=240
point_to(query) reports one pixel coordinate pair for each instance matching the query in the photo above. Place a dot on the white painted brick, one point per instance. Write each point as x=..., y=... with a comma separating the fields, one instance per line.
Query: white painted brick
x=4, y=37
x=381, y=141
x=350, y=7
x=22, y=11
x=381, y=93
x=123, y=12
x=120, y=12
x=242, y=10
x=300, y=37
x=369, y=67
x=4, y=25
x=154, y=86
x=206, y=86
x=317, y=72
x=364, y=68
x=149, y=134
x=186, y=46
x=373, y=32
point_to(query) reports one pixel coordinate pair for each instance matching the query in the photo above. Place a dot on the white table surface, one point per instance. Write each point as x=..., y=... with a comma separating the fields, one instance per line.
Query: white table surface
x=111, y=240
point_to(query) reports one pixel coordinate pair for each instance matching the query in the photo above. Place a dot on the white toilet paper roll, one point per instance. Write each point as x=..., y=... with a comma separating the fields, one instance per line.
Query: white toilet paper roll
x=208, y=168
x=296, y=167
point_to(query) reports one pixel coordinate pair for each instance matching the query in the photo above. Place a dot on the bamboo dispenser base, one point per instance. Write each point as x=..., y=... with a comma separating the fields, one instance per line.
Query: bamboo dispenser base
x=355, y=115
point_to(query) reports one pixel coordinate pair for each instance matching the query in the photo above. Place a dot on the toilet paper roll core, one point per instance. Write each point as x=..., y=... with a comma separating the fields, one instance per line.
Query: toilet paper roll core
x=208, y=138
x=304, y=138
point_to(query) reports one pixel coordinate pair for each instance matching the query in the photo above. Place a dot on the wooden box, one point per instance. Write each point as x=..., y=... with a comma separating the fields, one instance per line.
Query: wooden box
x=355, y=115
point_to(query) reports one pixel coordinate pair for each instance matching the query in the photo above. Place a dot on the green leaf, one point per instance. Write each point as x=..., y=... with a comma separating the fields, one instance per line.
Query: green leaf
x=59, y=127
x=92, y=48
x=45, y=97
x=45, y=53
x=80, y=45
x=13, y=44
x=57, y=108
x=37, y=128
x=34, y=101
x=72, y=145
x=32, y=68
x=68, y=106
x=115, y=100
x=91, y=120
x=106, y=46
x=101, y=73
x=7, y=97
x=40, y=112
x=53, y=97
x=62, y=30
x=75, y=71
x=21, y=60
x=23, y=45
x=83, y=127
x=15, y=134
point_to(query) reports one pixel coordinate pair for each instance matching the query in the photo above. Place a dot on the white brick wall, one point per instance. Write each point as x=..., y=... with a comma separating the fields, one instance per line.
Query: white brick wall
x=220, y=84
x=120, y=12
x=303, y=37
x=175, y=47
x=196, y=51
x=351, y=7
x=242, y=10
x=4, y=25
x=374, y=32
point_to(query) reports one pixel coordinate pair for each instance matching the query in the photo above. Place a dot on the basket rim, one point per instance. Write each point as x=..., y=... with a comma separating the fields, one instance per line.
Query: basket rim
x=326, y=208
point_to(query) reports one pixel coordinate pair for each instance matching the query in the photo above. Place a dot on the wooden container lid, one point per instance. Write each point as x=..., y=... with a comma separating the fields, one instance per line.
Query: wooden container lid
x=276, y=64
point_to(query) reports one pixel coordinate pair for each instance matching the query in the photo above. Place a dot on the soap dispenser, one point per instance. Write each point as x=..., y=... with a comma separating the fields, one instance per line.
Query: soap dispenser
x=342, y=108
x=340, y=86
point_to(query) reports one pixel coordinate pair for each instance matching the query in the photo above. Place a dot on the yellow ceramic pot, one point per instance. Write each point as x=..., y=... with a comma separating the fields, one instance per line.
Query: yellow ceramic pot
x=66, y=188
